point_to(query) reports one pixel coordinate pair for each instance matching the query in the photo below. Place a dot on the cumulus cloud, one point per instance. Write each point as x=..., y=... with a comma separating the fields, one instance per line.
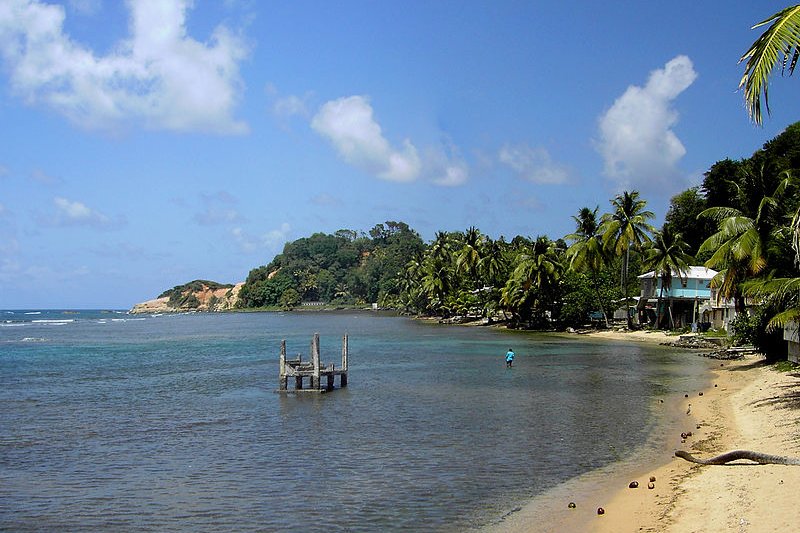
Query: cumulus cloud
x=218, y=208
x=74, y=213
x=533, y=164
x=287, y=106
x=291, y=105
x=636, y=138
x=270, y=240
x=444, y=165
x=158, y=77
x=349, y=125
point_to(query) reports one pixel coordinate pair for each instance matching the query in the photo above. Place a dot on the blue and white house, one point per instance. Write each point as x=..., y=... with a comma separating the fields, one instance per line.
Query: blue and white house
x=688, y=300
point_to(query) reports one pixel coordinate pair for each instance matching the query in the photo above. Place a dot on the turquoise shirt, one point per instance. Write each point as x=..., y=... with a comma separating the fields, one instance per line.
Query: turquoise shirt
x=510, y=356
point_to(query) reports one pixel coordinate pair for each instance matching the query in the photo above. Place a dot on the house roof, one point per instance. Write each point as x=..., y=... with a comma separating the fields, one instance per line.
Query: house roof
x=694, y=272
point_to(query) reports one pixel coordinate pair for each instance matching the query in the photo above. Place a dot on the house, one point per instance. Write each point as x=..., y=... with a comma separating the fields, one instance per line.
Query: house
x=718, y=311
x=791, y=334
x=688, y=300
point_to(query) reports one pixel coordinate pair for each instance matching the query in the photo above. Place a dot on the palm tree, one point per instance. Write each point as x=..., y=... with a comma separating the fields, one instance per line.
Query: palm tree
x=493, y=264
x=666, y=256
x=469, y=256
x=779, y=43
x=440, y=247
x=586, y=253
x=624, y=229
x=492, y=267
x=781, y=293
x=534, y=279
x=436, y=282
x=740, y=244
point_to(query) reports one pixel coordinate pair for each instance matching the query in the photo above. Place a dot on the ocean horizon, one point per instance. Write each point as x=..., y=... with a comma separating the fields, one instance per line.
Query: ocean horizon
x=171, y=422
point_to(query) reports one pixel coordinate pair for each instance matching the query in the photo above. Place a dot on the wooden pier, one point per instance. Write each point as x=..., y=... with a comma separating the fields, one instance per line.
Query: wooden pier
x=313, y=369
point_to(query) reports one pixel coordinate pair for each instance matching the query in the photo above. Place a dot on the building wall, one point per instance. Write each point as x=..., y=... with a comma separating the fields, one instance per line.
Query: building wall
x=689, y=288
x=791, y=334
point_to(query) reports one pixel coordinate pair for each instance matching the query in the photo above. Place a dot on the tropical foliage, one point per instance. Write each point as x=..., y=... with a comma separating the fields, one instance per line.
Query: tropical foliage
x=344, y=268
x=779, y=44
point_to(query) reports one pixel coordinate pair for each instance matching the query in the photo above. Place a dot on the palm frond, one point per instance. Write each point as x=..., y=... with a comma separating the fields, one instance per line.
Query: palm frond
x=781, y=319
x=781, y=39
x=718, y=214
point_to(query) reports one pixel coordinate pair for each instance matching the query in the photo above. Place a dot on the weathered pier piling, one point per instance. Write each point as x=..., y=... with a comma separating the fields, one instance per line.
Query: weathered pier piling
x=314, y=370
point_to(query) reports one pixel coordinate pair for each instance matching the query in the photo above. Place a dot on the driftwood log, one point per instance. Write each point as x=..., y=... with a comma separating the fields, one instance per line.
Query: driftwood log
x=735, y=455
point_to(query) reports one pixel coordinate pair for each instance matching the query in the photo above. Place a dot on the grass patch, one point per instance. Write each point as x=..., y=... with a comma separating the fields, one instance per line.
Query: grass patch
x=786, y=366
x=715, y=333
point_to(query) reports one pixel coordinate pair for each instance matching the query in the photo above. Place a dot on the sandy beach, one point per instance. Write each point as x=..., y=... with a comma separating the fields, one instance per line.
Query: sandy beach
x=747, y=405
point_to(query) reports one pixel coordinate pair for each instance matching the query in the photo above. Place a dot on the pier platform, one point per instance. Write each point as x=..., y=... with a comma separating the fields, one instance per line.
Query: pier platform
x=320, y=376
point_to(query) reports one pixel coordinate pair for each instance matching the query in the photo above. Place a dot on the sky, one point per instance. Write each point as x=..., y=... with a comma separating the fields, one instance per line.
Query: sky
x=145, y=144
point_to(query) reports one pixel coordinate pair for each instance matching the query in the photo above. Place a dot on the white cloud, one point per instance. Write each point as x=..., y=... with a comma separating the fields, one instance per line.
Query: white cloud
x=40, y=176
x=349, y=125
x=453, y=175
x=636, y=138
x=218, y=208
x=326, y=200
x=75, y=213
x=270, y=240
x=85, y=7
x=445, y=167
x=291, y=105
x=18, y=275
x=533, y=164
x=159, y=77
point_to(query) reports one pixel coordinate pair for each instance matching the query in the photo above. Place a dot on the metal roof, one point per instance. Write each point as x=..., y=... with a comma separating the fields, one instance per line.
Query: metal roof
x=694, y=272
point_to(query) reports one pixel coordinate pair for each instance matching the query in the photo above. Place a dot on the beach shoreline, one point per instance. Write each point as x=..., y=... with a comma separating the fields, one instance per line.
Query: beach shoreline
x=746, y=405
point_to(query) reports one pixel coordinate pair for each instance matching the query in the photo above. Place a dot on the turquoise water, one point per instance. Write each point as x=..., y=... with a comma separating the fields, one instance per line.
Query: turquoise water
x=169, y=423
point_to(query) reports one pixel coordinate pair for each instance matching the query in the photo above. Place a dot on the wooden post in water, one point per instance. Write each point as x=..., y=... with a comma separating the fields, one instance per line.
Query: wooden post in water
x=298, y=379
x=315, y=361
x=330, y=375
x=283, y=379
x=343, y=375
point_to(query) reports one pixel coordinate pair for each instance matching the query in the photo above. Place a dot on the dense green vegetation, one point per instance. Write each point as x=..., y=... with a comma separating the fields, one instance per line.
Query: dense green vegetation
x=347, y=267
x=742, y=221
x=183, y=296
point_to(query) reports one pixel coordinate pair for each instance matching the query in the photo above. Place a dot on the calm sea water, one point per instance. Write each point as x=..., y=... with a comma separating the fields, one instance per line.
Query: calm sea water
x=117, y=422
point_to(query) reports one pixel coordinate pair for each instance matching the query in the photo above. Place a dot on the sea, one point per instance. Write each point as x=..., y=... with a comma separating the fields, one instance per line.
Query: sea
x=118, y=422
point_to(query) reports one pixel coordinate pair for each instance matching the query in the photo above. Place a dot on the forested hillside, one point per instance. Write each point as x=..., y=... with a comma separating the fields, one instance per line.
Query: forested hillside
x=347, y=267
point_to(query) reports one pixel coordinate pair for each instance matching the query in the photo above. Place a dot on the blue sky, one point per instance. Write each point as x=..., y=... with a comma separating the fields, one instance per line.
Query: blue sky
x=145, y=144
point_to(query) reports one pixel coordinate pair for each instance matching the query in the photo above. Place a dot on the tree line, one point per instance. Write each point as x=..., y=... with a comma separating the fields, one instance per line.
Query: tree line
x=742, y=221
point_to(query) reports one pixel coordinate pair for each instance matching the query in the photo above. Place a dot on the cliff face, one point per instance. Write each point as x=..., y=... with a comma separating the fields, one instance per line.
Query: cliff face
x=194, y=296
